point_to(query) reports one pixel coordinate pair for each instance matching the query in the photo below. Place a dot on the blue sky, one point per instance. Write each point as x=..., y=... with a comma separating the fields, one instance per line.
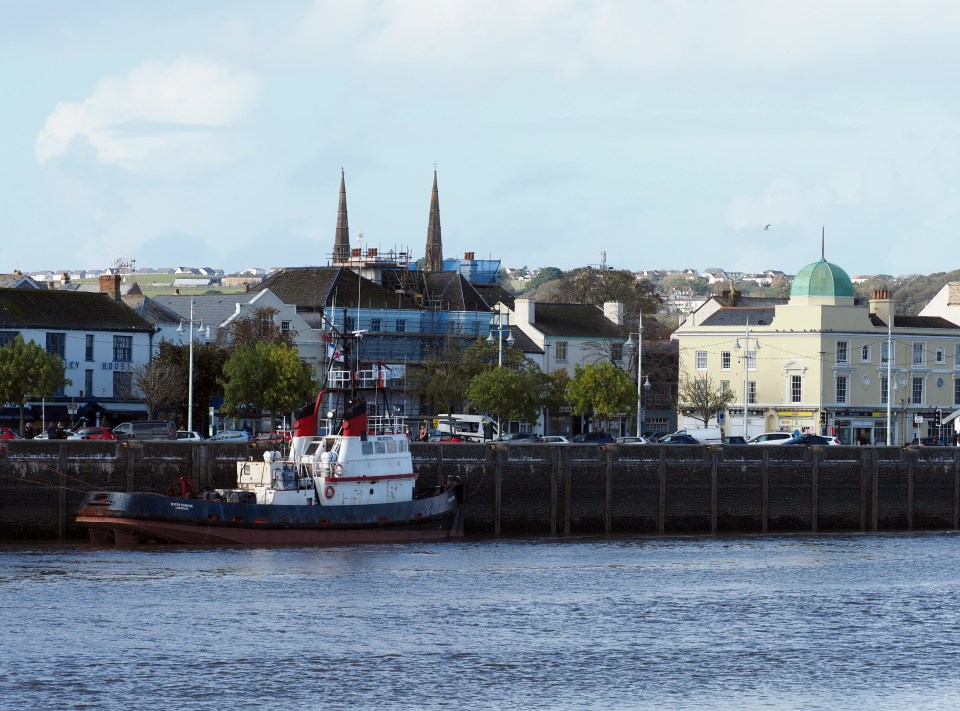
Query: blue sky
x=665, y=134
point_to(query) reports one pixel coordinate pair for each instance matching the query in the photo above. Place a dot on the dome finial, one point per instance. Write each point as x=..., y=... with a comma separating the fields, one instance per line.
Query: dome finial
x=823, y=251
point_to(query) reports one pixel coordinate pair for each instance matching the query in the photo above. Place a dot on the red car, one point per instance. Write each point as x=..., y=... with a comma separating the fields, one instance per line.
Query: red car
x=7, y=433
x=96, y=433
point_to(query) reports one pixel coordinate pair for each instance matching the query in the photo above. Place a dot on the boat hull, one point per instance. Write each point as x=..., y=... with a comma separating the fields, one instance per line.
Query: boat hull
x=134, y=518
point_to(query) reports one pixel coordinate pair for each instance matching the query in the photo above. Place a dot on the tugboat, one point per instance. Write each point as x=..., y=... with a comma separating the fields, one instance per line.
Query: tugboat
x=346, y=480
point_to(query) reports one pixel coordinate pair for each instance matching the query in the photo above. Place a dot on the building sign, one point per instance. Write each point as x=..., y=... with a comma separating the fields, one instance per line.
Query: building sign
x=71, y=364
x=117, y=365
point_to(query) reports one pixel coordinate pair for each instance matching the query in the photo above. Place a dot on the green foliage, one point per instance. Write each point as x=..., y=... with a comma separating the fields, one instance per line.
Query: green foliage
x=208, y=362
x=28, y=372
x=260, y=325
x=602, y=389
x=438, y=380
x=543, y=276
x=269, y=375
x=508, y=394
x=588, y=285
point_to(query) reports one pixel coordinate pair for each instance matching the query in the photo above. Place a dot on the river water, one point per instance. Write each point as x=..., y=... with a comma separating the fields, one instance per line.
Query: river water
x=794, y=622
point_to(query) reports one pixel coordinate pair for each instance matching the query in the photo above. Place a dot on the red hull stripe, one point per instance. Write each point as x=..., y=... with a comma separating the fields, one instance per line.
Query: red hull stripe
x=335, y=479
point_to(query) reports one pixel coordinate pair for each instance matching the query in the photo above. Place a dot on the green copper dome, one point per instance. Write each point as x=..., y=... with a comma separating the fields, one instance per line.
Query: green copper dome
x=822, y=279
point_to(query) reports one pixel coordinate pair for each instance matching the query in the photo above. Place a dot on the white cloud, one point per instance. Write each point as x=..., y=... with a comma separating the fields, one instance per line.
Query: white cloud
x=156, y=118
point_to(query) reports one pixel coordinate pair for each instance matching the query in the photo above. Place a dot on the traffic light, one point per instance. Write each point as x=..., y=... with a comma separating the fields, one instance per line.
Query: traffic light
x=823, y=417
x=938, y=417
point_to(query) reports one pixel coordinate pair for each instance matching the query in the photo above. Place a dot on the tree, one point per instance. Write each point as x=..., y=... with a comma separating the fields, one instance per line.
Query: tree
x=208, y=363
x=701, y=397
x=260, y=325
x=438, y=380
x=543, y=276
x=27, y=372
x=589, y=285
x=601, y=388
x=159, y=384
x=270, y=376
x=508, y=394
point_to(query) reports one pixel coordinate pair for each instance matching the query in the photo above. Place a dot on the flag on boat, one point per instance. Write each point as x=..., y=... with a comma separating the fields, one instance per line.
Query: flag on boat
x=334, y=353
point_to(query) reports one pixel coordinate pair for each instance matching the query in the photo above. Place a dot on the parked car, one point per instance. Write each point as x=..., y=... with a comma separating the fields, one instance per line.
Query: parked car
x=146, y=429
x=594, y=438
x=734, y=439
x=929, y=442
x=231, y=436
x=7, y=433
x=654, y=435
x=678, y=439
x=519, y=438
x=445, y=438
x=67, y=434
x=102, y=433
x=555, y=439
x=807, y=439
x=189, y=435
x=632, y=440
x=770, y=438
x=272, y=438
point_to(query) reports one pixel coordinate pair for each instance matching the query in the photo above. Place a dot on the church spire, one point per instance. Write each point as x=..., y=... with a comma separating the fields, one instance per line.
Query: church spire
x=341, y=242
x=434, y=253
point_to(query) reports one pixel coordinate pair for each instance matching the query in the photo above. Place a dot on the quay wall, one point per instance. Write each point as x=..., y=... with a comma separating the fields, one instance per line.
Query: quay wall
x=548, y=490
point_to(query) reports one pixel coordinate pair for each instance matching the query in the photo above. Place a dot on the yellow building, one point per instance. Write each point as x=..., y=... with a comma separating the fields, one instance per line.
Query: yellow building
x=818, y=361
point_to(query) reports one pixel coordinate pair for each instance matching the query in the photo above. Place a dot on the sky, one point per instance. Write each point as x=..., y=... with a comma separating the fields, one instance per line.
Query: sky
x=643, y=134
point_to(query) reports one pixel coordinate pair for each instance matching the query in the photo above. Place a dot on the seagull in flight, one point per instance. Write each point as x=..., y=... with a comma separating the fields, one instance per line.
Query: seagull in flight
x=766, y=227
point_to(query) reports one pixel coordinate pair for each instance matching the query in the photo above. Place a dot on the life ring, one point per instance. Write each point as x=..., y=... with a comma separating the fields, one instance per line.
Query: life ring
x=338, y=469
x=329, y=492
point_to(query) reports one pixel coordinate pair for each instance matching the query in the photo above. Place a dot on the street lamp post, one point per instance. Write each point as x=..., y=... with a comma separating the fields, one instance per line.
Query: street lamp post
x=200, y=331
x=500, y=327
x=746, y=368
x=640, y=383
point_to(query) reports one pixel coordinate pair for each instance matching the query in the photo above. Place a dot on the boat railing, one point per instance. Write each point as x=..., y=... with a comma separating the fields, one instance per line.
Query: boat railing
x=376, y=424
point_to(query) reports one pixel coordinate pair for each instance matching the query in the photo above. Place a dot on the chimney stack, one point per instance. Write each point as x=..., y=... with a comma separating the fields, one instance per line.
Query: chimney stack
x=110, y=284
x=881, y=304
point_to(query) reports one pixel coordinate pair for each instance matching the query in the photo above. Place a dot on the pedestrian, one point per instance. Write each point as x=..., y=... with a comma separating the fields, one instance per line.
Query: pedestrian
x=28, y=431
x=59, y=431
x=52, y=431
x=423, y=435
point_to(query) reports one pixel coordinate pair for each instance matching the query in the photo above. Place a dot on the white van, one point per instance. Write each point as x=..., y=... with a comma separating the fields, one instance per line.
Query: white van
x=704, y=435
x=470, y=428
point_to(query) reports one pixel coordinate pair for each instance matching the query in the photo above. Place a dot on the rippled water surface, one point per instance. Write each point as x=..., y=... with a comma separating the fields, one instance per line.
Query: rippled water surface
x=788, y=622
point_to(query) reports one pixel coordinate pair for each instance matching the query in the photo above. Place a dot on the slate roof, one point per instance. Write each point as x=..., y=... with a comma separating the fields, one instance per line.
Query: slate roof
x=210, y=309
x=453, y=292
x=152, y=311
x=574, y=320
x=522, y=341
x=914, y=322
x=313, y=288
x=493, y=293
x=741, y=316
x=74, y=311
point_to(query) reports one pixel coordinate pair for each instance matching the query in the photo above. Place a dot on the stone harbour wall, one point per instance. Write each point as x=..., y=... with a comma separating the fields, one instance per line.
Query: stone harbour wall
x=543, y=490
